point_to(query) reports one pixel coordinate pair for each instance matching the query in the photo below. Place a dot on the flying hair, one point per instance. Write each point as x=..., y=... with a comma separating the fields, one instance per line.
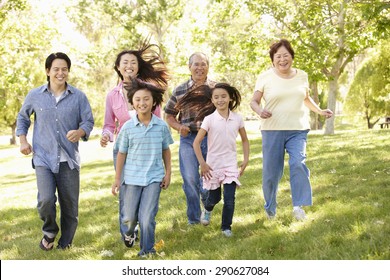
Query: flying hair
x=197, y=100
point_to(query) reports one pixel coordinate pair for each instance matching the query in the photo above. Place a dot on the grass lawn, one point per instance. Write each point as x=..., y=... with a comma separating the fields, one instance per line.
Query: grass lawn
x=349, y=219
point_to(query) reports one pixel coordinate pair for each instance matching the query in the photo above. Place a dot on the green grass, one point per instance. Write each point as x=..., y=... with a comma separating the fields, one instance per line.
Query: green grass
x=349, y=219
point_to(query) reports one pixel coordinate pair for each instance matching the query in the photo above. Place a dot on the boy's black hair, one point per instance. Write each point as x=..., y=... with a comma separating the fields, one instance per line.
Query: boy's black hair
x=137, y=84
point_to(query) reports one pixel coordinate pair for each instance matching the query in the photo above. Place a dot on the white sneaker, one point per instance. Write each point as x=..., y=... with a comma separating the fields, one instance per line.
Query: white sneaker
x=205, y=217
x=227, y=232
x=299, y=213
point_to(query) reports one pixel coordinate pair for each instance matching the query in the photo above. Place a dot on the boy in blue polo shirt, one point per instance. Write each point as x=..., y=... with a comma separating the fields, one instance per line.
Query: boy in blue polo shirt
x=144, y=143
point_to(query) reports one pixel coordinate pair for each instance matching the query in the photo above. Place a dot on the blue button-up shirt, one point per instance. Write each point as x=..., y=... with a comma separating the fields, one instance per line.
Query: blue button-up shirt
x=52, y=121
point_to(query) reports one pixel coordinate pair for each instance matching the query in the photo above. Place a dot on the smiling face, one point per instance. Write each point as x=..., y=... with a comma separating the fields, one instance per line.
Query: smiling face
x=220, y=99
x=58, y=73
x=128, y=66
x=282, y=60
x=199, y=68
x=143, y=101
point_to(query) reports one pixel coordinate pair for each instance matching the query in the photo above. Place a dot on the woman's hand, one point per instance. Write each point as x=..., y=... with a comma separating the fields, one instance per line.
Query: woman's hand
x=265, y=114
x=104, y=140
x=327, y=113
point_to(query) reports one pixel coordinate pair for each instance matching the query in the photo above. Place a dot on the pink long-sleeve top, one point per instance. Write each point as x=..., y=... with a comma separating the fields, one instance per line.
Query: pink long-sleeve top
x=117, y=112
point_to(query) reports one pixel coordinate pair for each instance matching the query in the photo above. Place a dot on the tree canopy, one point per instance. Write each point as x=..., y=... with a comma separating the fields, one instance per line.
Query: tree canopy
x=369, y=94
x=236, y=34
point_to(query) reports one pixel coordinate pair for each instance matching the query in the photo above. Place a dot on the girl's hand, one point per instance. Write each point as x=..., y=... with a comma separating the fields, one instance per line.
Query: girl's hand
x=242, y=167
x=206, y=171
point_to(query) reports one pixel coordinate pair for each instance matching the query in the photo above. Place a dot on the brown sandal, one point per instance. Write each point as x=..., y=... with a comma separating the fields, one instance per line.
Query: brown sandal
x=47, y=243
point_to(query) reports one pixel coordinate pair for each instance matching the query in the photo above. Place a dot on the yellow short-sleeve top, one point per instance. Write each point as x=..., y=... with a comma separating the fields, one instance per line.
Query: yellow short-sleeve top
x=285, y=99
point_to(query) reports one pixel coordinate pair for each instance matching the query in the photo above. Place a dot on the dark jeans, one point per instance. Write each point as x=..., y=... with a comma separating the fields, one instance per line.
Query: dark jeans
x=214, y=196
x=67, y=184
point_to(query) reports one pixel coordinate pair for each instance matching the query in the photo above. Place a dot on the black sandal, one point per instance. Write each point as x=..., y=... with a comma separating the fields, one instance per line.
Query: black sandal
x=49, y=243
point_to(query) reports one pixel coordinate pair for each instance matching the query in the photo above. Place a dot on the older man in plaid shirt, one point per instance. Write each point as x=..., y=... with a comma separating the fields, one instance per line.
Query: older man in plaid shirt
x=184, y=122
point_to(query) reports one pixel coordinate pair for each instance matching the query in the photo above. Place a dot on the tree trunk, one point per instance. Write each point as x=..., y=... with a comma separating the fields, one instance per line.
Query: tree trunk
x=314, y=118
x=12, y=140
x=332, y=96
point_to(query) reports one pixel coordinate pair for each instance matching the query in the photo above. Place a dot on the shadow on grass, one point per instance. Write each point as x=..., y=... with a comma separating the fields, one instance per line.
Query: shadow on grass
x=348, y=220
x=12, y=180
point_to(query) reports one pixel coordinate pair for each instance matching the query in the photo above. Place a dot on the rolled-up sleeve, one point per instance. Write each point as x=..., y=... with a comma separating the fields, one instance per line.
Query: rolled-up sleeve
x=109, y=119
x=87, y=120
x=23, y=120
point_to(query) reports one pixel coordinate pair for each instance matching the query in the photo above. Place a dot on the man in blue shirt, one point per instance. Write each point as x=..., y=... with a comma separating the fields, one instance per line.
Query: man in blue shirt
x=62, y=116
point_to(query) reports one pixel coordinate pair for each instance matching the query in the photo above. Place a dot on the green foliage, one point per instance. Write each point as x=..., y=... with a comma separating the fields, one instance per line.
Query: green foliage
x=22, y=52
x=10, y=6
x=348, y=220
x=327, y=35
x=369, y=94
x=235, y=47
x=236, y=35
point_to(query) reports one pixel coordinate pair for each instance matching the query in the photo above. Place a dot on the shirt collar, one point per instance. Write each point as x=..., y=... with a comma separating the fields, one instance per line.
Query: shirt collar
x=191, y=83
x=219, y=117
x=138, y=123
x=68, y=89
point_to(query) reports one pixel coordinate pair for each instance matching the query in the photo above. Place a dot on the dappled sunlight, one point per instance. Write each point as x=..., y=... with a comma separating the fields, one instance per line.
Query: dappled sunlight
x=18, y=196
x=95, y=194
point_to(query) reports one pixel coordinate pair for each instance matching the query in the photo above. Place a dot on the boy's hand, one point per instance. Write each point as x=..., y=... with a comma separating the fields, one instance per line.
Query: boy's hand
x=165, y=182
x=115, y=187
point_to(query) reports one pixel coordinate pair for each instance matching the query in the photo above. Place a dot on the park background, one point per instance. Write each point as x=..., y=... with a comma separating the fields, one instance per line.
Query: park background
x=342, y=45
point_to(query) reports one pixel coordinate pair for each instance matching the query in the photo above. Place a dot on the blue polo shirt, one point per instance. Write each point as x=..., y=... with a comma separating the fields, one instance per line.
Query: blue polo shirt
x=144, y=147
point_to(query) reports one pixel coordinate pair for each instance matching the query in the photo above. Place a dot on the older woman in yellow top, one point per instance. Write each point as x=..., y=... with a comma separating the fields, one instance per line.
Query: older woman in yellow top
x=284, y=127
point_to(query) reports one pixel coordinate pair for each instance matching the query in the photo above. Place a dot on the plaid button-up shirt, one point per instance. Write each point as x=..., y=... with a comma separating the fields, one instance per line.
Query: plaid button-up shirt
x=184, y=117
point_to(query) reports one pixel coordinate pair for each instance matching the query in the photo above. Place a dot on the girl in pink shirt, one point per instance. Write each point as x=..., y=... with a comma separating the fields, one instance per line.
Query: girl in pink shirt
x=220, y=167
x=146, y=64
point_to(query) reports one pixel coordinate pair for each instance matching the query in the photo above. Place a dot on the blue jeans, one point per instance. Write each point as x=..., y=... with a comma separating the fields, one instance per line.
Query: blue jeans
x=67, y=184
x=141, y=205
x=275, y=143
x=214, y=196
x=189, y=169
x=122, y=228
